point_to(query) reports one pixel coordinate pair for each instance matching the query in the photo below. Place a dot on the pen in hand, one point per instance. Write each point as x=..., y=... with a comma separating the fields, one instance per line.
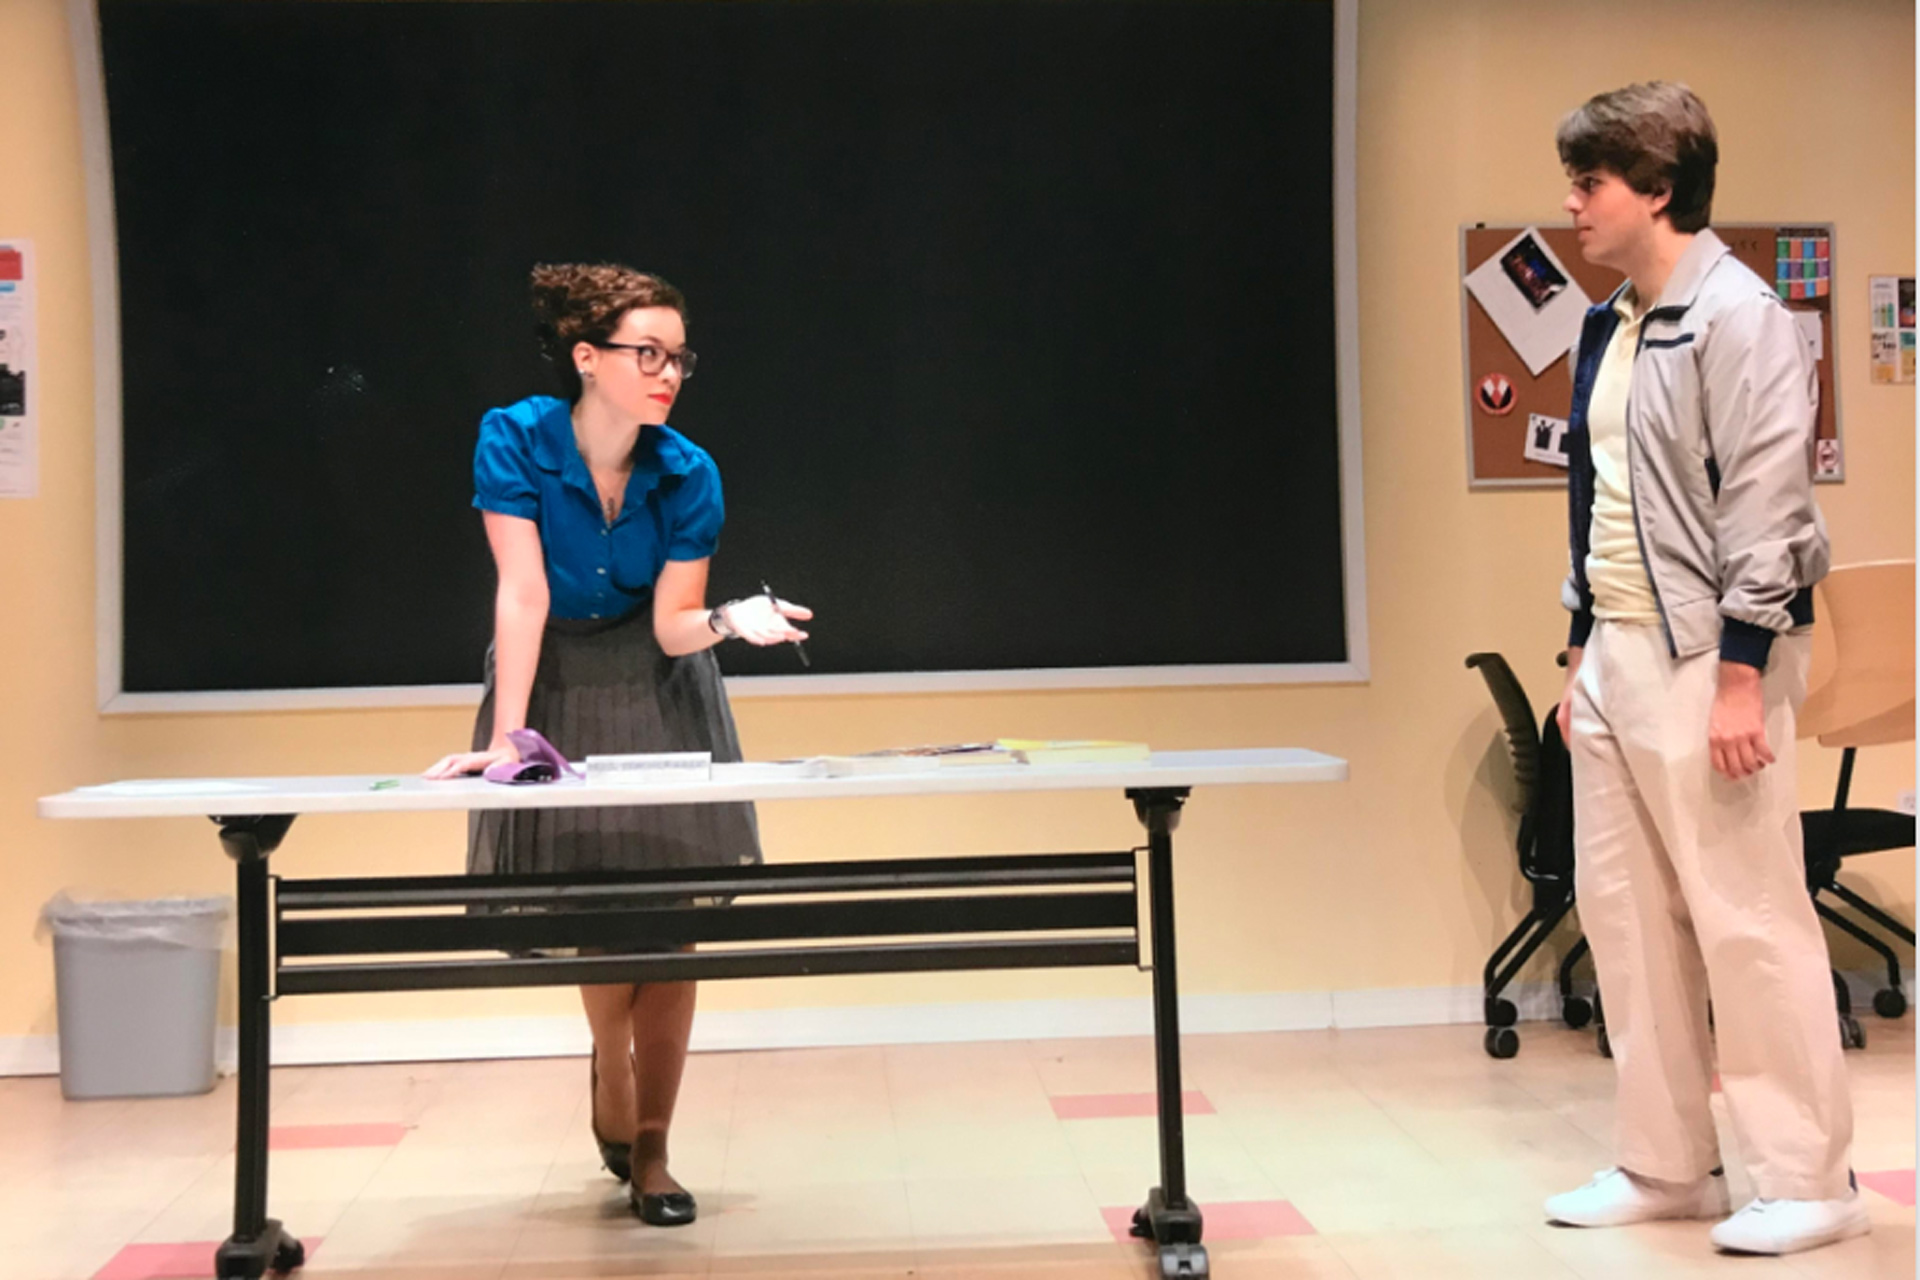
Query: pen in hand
x=774, y=600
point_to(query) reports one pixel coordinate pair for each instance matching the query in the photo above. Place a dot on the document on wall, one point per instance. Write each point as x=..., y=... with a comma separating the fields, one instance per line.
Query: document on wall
x=1531, y=299
x=1892, y=333
x=19, y=387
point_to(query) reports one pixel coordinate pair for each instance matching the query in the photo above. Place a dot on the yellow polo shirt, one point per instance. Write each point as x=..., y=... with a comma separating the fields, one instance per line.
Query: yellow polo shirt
x=1622, y=591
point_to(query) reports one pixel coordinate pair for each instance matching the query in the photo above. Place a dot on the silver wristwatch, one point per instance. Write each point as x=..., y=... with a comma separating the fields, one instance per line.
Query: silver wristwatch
x=718, y=624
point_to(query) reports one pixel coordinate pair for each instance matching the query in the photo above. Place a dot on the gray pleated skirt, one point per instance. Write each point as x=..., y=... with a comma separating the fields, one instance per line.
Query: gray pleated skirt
x=606, y=687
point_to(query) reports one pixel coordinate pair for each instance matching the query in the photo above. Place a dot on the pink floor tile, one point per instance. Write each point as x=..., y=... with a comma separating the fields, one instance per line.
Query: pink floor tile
x=170, y=1261
x=1894, y=1184
x=1110, y=1106
x=309, y=1137
x=1228, y=1220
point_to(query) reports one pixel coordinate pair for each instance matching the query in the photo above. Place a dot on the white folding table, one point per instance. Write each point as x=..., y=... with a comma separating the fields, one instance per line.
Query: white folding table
x=301, y=937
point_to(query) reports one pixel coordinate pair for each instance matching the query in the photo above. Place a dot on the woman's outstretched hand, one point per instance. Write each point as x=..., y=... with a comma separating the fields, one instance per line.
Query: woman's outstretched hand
x=764, y=620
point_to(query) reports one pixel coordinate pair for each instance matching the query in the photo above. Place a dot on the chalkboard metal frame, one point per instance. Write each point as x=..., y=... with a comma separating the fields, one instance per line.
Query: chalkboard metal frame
x=83, y=26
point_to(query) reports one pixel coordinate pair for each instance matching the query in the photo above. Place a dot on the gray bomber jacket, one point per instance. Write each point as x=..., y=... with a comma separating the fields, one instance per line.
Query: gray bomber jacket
x=1720, y=423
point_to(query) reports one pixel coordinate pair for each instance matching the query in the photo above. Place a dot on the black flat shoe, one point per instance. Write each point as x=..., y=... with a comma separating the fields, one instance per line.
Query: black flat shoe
x=616, y=1156
x=668, y=1209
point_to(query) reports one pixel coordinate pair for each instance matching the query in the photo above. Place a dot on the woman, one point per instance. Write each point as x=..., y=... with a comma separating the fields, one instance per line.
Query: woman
x=601, y=520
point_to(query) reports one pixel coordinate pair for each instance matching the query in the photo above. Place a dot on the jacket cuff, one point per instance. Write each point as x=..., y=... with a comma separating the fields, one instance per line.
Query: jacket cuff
x=1580, y=629
x=1745, y=642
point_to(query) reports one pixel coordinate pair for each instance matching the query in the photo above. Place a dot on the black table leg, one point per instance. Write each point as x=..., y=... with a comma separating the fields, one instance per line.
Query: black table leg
x=1168, y=1218
x=259, y=1244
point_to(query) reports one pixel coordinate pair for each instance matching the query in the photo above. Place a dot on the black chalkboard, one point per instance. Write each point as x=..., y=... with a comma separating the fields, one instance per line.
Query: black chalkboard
x=1016, y=317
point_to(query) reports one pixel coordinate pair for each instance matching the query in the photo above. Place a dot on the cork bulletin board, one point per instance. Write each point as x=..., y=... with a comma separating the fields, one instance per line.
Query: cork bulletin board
x=1511, y=409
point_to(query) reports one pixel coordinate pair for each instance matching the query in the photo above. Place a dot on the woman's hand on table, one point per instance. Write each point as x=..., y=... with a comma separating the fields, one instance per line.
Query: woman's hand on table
x=462, y=763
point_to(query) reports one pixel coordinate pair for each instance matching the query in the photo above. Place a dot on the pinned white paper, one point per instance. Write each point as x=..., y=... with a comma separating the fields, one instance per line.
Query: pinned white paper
x=1531, y=298
x=1546, y=439
x=19, y=382
x=1809, y=322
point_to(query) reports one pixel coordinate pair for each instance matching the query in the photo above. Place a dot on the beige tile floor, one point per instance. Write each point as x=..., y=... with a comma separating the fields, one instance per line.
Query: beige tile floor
x=1408, y=1150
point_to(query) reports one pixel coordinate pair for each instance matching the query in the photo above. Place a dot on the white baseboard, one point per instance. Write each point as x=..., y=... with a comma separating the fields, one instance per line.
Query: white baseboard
x=471, y=1039
x=464, y=1039
x=29, y=1056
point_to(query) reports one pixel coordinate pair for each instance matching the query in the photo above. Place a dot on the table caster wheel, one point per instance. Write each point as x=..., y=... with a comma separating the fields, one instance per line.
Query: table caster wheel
x=1183, y=1262
x=1501, y=1012
x=1851, y=1036
x=1576, y=1012
x=1606, y=1045
x=1890, y=1003
x=1502, y=1042
x=1142, y=1228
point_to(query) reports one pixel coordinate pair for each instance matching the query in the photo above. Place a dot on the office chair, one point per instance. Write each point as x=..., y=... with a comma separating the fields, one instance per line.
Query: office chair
x=1862, y=696
x=1544, y=772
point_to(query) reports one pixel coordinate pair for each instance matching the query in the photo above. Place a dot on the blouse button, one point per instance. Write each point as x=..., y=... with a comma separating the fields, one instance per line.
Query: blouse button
x=602, y=572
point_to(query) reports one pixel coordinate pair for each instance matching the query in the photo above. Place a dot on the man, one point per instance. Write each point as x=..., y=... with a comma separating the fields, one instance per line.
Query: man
x=1696, y=544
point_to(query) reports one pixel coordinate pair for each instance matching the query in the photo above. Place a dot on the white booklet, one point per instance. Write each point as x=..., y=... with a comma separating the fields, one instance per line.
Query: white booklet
x=649, y=768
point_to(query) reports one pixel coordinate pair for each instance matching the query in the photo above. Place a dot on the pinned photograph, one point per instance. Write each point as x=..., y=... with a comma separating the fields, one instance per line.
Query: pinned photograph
x=1546, y=440
x=1534, y=273
x=1531, y=298
x=1826, y=459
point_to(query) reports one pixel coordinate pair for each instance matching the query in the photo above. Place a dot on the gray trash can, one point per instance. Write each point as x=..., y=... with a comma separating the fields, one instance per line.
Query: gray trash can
x=137, y=985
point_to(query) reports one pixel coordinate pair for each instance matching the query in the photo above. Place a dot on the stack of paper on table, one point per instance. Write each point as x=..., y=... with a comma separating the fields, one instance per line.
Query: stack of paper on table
x=910, y=759
x=1047, y=751
x=1039, y=752
x=649, y=768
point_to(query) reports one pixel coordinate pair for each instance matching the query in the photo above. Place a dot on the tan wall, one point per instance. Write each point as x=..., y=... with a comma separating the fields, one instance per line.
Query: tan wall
x=1401, y=877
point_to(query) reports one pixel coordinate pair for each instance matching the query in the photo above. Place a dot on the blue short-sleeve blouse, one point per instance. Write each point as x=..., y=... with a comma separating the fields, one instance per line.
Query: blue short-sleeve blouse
x=527, y=464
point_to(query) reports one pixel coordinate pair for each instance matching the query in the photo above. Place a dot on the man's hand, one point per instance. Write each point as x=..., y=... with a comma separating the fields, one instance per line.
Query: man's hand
x=1737, y=729
x=1565, y=714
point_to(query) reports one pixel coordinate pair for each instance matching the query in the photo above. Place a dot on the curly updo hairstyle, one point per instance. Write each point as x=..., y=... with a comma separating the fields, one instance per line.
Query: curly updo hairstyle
x=585, y=302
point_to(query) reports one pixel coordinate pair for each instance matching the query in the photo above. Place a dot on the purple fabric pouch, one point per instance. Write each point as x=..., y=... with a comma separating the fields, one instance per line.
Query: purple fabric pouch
x=540, y=761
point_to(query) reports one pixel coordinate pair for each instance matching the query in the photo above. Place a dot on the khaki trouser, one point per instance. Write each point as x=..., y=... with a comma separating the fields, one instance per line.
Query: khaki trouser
x=1692, y=886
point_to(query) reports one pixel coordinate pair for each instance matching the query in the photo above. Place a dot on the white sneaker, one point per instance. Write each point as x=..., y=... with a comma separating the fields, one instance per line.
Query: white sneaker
x=1788, y=1226
x=1615, y=1198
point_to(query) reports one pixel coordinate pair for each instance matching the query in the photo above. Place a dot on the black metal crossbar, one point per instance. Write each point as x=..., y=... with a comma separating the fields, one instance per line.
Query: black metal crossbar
x=999, y=871
x=1072, y=909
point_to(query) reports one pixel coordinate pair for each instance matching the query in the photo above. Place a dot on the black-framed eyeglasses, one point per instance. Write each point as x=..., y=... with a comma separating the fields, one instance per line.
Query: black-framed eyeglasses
x=653, y=358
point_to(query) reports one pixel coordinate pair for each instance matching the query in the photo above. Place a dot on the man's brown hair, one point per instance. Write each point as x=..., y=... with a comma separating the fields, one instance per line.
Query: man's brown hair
x=1657, y=137
x=585, y=302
